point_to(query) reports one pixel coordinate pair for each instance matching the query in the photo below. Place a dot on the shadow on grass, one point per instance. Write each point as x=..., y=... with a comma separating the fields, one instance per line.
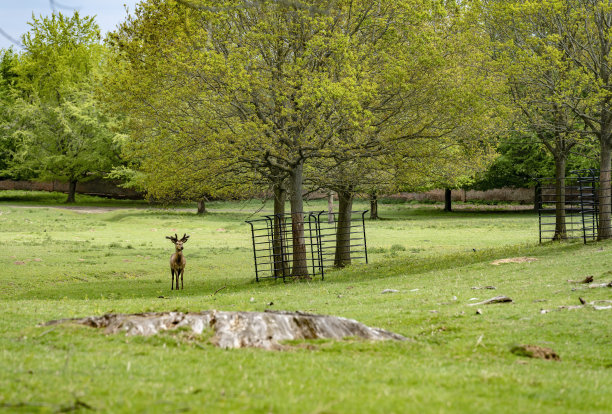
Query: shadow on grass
x=43, y=198
x=407, y=266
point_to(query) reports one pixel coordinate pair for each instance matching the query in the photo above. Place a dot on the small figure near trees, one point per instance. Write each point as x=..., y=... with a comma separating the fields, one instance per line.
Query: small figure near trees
x=177, y=260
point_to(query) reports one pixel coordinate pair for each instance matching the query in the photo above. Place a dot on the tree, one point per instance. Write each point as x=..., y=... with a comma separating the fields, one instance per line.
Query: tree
x=275, y=85
x=586, y=41
x=63, y=132
x=564, y=47
x=529, y=53
x=465, y=110
x=8, y=146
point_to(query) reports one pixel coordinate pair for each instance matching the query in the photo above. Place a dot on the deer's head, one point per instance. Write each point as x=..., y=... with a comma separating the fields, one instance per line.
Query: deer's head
x=178, y=243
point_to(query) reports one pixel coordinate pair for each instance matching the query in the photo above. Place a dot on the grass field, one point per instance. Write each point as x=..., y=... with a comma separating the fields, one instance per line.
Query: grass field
x=59, y=263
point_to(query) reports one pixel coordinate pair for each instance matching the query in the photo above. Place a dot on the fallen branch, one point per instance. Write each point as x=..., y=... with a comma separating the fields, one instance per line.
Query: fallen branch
x=484, y=287
x=588, y=279
x=496, y=299
x=601, y=285
x=583, y=304
x=77, y=406
x=221, y=288
x=601, y=307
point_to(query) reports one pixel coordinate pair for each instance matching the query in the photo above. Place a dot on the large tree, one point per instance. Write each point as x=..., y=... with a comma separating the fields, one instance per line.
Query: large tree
x=8, y=78
x=529, y=51
x=272, y=85
x=63, y=133
x=558, y=53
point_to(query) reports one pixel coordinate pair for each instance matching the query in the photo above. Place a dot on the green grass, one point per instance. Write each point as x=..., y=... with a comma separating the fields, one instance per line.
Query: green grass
x=79, y=264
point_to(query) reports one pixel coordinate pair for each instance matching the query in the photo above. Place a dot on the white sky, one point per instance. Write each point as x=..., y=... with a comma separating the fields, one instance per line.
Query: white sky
x=15, y=14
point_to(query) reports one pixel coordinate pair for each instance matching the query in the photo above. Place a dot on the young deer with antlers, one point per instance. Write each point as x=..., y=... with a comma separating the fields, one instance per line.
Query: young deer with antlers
x=177, y=260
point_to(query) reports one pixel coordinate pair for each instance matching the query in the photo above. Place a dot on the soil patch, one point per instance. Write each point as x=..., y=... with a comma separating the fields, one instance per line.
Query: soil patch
x=534, y=351
x=514, y=260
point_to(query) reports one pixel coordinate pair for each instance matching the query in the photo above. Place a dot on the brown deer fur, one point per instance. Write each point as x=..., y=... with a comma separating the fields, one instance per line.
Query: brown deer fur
x=177, y=260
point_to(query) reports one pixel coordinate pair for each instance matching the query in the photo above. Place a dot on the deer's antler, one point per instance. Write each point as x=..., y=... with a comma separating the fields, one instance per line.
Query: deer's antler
x=172, y=239
x=185, y=237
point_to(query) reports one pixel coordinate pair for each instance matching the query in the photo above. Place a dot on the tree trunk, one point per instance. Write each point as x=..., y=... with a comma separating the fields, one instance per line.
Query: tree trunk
x=537, y=197
x=604, y=230
x=373, y=206
x=71, y=191
x=447, y=199
x=280, y=198
x=330, y=207
x=281, y=265
x=343, y=229
x=300, y=266
x=560, y=229
x=201, y=206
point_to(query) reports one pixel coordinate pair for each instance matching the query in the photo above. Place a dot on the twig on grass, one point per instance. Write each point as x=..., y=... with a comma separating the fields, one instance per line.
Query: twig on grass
x=479, y=341
x=77, y=405
x=588, y=279
x=45, y=332
x=221, y=288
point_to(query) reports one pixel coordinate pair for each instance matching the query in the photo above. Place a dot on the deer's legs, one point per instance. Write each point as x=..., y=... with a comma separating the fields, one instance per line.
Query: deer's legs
x=182, y=272
x=172, y=285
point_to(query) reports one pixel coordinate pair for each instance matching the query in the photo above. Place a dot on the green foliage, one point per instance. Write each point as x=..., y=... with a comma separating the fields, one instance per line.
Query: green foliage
x=60, y=129
x=523, y=158
x=61, y=52
x=70, y=141
x=554, y=55
x=221, y=93
x=8, y=77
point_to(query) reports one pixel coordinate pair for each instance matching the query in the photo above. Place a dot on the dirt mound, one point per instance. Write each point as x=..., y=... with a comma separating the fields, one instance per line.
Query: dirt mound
x=514, y=260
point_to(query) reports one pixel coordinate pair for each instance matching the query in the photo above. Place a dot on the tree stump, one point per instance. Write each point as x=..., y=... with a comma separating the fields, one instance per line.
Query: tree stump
x=238, y=329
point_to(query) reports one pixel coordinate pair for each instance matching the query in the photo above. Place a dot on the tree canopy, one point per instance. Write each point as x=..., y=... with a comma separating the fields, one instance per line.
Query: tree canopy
x=61, y=131
x=259, y=92
x=555, y=54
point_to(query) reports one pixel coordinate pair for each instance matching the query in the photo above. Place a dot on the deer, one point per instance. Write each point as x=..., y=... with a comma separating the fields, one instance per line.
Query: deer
x=177, y=260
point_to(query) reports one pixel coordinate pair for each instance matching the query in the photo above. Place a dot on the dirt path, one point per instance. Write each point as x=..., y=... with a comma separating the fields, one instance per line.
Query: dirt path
x=98, y=209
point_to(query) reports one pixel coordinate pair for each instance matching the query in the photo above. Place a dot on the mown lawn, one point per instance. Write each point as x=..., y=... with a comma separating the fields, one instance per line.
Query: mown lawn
x=60, y=263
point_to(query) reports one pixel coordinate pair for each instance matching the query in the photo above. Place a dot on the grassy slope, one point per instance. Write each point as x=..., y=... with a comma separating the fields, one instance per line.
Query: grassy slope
x=459, y=361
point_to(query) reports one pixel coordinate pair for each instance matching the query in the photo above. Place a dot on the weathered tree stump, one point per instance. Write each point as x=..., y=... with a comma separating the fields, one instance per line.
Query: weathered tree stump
x=238, y=329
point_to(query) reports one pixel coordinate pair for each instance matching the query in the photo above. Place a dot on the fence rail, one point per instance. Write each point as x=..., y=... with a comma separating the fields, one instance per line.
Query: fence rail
x=579, y=216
